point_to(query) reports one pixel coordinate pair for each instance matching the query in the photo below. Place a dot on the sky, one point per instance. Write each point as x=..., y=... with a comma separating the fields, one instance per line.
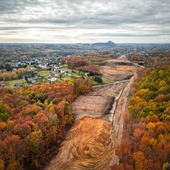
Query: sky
x=85, y=21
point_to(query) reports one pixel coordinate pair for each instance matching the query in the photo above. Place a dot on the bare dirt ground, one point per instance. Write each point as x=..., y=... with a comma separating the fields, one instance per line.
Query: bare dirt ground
x=91, y=142
x=99, y=102
x=117, y=70
x=87, y=143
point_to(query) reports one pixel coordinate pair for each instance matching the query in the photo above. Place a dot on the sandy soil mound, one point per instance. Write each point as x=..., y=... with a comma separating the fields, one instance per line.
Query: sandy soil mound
x=88, y=145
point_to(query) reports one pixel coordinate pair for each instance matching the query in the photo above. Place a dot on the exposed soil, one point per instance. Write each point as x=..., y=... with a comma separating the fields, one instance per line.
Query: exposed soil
x=117, y=73
x=87, y=143
x=91, y=142
x=99, y=102
x=92, y=105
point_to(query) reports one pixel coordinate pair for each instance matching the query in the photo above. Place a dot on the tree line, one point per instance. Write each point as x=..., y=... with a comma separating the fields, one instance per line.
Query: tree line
x=145, y=144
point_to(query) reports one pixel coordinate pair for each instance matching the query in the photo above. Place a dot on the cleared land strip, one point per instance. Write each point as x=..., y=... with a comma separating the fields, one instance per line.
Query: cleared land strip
x=98, y=103
x=91, y=142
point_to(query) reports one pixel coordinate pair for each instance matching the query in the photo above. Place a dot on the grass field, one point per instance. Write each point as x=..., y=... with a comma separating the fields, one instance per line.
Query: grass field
x=12, y=82
x=106, y=81
x=44, y=73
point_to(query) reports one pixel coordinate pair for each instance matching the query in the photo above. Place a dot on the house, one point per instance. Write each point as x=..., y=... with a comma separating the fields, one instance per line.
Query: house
x=53, y=79
x=37, y=76
x=57, y=75
x=18, y=85
x=31, y=81
x=14, y=69
x=68, y=74
x=42, y=66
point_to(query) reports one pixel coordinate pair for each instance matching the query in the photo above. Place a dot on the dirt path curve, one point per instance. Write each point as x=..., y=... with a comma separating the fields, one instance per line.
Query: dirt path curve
x=91, y=142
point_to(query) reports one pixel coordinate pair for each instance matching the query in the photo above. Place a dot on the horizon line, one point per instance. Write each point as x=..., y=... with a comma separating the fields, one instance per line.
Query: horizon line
x=83, y=42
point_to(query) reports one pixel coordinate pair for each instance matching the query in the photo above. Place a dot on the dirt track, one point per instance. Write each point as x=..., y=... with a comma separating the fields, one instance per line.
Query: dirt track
x=98, y=127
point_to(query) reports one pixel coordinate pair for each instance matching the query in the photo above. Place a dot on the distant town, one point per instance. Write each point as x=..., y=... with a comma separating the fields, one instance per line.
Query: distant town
x=29, y=64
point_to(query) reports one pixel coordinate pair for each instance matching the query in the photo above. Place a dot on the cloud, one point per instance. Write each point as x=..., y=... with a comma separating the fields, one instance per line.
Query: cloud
x=74, y=18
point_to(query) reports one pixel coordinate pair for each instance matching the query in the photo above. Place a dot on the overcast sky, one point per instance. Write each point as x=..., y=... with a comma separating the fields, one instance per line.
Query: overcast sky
x=74, y=21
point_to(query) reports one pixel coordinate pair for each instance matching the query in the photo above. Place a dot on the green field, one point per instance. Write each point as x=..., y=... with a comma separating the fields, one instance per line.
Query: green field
x=106, y=81
x=12, y=82
x=44, y=73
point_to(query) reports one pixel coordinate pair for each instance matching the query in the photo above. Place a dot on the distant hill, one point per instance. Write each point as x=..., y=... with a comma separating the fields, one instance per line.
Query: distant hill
x=109, y=44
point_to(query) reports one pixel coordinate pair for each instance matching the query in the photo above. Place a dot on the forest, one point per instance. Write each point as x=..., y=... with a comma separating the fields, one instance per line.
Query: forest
x=146, y=140
x=14, y=74
x=86, y=64
x=34, y=121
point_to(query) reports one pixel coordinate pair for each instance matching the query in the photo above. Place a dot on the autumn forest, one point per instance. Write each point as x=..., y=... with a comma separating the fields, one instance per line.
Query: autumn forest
x=35, y=118
x=33, y=121
x=146, y=142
